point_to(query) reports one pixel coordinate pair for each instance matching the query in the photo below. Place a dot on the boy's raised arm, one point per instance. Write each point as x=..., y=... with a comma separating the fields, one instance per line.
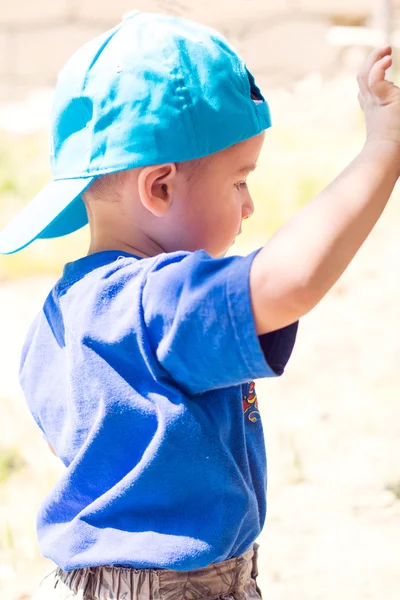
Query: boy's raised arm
x=304, y=259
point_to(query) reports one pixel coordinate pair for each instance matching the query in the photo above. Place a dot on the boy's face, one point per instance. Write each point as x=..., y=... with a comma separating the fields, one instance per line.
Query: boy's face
x=216, y=199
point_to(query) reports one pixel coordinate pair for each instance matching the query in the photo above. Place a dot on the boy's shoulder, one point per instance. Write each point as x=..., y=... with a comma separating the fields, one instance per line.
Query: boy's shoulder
x=108, y=262
x=116, y=288
x=112, y=272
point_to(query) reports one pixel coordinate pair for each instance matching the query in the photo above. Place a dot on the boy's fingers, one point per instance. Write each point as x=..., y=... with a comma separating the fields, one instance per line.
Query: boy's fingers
x=375, y=56
x=376, y=78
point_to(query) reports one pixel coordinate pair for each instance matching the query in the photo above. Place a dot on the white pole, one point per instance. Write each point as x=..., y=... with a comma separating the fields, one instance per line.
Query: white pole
x=383, y=21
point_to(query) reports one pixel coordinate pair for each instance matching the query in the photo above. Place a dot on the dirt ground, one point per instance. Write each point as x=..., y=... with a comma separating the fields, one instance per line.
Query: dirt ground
x=332, y=425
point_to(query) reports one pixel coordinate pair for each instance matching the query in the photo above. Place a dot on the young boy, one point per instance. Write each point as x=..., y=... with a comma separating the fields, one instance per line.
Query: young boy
x=139, y=369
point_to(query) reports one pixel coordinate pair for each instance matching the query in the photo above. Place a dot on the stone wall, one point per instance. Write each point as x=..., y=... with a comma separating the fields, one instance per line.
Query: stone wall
x=282, y=40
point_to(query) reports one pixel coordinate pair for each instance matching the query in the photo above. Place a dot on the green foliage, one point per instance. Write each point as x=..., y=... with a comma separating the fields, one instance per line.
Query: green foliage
x=8, y=185
x=10, y=462
x=9, y=536
x=395, y=489
x=24, y=168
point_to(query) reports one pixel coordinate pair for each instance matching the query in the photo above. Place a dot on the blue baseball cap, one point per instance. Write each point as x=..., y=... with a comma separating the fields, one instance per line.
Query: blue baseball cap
x=154, y=89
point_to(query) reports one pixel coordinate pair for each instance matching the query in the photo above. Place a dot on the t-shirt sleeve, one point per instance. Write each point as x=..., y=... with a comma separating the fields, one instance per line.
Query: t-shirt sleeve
x=199, y=321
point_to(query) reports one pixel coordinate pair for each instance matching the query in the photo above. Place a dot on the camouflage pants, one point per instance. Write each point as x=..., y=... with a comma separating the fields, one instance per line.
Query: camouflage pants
x=233, y=579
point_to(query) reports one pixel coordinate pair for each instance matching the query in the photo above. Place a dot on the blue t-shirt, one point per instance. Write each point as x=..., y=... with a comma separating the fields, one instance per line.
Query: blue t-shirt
x=139, y=372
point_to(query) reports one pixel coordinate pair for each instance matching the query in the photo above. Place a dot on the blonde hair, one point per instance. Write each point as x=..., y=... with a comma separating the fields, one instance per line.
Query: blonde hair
x=108, y=188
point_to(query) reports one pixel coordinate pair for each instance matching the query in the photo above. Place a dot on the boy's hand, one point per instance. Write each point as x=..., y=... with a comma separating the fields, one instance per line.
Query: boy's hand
x=379, y=98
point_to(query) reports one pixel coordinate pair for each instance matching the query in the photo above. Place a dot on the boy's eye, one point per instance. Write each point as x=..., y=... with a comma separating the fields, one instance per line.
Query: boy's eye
x=241, y=185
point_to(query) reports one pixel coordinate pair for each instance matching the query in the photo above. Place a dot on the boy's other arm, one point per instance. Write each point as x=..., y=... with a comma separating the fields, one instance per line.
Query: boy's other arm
x=304, y=259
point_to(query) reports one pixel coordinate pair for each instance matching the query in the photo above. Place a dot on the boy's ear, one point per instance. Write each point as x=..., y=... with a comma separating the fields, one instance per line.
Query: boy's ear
x=155, y=185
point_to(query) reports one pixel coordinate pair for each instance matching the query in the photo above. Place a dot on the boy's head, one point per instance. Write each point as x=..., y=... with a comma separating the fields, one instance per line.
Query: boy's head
x=174, y=206
x=169, y=104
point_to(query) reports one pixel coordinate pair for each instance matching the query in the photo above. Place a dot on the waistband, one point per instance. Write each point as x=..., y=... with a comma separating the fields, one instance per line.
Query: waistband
x=227, y=578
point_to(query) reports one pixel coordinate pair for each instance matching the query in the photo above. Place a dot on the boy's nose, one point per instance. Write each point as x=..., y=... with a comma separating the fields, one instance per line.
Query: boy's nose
x=248, y=208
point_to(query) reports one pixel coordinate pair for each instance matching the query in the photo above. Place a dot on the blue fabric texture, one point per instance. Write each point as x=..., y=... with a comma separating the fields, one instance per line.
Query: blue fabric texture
x=118, y=99
x=139, y=373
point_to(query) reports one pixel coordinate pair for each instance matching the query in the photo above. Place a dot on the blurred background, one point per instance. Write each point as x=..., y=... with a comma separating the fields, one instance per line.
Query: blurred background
x=332, y=422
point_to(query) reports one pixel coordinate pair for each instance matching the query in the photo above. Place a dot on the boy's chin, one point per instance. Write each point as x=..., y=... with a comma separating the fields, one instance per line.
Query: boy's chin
x=221, y=253
x=225, y=252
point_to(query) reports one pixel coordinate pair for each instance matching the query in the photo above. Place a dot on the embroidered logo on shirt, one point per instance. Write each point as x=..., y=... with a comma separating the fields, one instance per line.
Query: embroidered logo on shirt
x=250, y=404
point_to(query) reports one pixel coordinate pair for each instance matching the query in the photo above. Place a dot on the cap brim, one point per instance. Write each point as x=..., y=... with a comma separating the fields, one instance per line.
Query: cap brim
x=55, y=211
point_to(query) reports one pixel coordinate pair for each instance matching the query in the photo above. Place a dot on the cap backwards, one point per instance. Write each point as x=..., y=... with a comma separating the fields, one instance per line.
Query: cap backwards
x=154, y=89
